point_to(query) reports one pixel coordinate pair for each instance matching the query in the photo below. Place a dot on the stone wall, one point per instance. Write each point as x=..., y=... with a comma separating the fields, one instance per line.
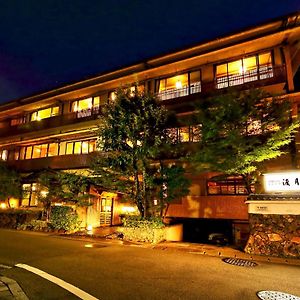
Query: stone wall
x=275, y=235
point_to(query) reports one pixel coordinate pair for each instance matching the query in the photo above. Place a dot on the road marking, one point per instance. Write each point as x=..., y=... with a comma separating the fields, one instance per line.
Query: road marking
x=4, y=267
x=67, y=286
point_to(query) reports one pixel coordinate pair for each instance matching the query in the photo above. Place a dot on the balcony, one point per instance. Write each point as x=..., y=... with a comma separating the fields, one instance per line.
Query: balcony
x=264, y=76
x=52, y=122
x=73, y=161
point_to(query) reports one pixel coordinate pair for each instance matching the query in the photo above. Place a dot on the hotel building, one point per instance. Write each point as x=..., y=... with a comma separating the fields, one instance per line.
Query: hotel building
x=57, y=129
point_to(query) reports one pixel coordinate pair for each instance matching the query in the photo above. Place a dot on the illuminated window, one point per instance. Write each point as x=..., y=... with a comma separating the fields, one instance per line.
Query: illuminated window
x=85, y=147
x=17, y=121
x=227, y=186
x=44, y=113
x=248, y=69
x=195, y=133
x=112, y=96
x=92, y=146
x=179, y=85
x=69, y=148
x=77, y=147
x=36, y=153
x=184, y=134
x=28, y=152
x=4, y=154
x=53, y=149
x=29, y=194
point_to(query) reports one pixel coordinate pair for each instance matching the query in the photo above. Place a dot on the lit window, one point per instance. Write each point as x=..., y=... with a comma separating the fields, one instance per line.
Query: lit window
x=85, y=147
x=4, y=154
x=28, y=152
x=36, y=151
x=248, y=69
x=29, y=194
x=92, y=145
x=227, y=186
x=184, y=134
x=17, y=121
x=69, y=148
x=44, y=113
x=53, y=149
x=179, y=85
x=77, y=147
x=62, y=148
x=112, y=96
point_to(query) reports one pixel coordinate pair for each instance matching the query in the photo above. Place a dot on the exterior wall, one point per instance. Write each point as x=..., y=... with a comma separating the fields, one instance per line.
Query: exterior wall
x=210, y=207
x=276, y=235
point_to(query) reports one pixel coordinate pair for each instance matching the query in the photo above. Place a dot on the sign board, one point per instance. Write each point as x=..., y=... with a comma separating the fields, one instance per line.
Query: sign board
x=287, y=182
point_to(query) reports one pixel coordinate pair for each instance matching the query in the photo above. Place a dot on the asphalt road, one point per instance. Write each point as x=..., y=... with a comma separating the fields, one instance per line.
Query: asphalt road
x=110, y=271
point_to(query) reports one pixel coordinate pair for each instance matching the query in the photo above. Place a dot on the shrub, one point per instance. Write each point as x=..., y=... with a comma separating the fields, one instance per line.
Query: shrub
x=140, y=222
x=11, y=218
x=143, y=230
x=64, y=217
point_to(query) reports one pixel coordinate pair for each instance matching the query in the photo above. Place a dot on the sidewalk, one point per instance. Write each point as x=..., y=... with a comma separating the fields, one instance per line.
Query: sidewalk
x=107, y=233
x=9, y=290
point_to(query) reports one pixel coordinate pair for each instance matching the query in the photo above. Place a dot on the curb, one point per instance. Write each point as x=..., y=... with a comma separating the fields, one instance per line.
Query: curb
x=14, y=288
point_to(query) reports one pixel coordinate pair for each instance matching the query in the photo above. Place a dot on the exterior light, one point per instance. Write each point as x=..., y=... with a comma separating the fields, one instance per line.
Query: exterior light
x=89, y=229
x=155, y=202
x=3, y=205
x=44, y=193
x=128, y=209
x=88, y=245
x=178, y=84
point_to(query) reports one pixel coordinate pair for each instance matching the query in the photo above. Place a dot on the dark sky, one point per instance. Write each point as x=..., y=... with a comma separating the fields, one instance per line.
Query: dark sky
x=44, y=44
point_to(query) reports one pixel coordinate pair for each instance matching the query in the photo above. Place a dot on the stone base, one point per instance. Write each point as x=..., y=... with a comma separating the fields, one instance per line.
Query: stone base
x=274, y=235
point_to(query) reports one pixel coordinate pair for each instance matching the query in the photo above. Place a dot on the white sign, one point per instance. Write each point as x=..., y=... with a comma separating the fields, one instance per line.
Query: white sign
x=282, y=182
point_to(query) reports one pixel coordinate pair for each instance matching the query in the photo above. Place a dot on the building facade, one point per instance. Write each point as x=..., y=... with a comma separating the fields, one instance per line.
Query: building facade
x=58, y=129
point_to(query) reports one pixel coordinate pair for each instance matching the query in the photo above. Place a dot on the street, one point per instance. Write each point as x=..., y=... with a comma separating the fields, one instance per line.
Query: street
x=109, y=271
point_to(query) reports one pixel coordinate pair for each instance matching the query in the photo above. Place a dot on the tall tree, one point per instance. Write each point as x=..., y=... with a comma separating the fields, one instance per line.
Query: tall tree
x=132, y=136
x=242, y=130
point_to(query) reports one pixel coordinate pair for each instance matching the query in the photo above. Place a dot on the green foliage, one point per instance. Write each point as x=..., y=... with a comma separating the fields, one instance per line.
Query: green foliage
x=10, y=183
x=132, y=135
x=64, y=217
x=64, y=187
x=140, y=222
x=139, y=229
x=242, y=130
x=35, y=225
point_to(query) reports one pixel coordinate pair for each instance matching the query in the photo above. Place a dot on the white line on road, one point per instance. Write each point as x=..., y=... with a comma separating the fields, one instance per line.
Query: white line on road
x=4, y=267
x=67, y=286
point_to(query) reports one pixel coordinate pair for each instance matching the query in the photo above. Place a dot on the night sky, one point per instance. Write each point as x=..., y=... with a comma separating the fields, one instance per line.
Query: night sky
x=45, y=44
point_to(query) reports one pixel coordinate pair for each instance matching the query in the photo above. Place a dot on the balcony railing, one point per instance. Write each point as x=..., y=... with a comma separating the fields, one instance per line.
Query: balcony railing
x=52, y=122
x=54, y=162
x=176, y=93
x=264, y=75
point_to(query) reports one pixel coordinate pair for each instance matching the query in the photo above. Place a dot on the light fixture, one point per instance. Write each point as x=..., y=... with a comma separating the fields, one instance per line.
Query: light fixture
x=3, y=205
x=178, y=84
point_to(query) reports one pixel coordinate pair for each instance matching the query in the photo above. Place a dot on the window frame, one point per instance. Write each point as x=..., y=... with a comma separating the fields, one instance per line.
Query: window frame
x=228, y=183
x=175, y=91
x=242, y=76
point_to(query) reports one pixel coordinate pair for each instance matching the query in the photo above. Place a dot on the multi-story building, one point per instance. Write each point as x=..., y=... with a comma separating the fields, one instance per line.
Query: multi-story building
x=57, y=129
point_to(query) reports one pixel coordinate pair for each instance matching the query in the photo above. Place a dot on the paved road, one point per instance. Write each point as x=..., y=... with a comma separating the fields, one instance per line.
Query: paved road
x=111, y=271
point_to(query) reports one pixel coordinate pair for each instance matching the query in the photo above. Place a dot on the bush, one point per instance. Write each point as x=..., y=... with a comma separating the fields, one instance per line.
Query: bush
x=140, y=222
x=35, y=225
x=143, y=230
x=12, y=218
x=64, y=217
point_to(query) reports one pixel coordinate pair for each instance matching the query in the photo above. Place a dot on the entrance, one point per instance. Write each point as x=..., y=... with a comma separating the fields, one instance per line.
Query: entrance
x=106, y=208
